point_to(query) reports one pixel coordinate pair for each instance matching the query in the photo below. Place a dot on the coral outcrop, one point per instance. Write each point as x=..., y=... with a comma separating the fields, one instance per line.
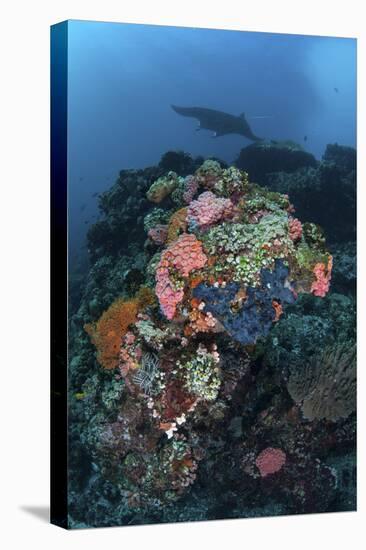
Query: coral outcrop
x=212, y=363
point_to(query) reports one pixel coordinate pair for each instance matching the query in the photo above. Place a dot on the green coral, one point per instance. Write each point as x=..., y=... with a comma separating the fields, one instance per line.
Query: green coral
x=152, y=335
x=232, y=180
x=244, y=249
x=157, y=216
x=201, y=375
x=163, y=187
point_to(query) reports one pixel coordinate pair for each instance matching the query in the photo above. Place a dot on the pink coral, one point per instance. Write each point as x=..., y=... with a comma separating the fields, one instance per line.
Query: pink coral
x=323, y=275
x=207, y=210
x=181, y=257
x=295, y=229
x=191, y=185
x=158, y=234
x=270, y=461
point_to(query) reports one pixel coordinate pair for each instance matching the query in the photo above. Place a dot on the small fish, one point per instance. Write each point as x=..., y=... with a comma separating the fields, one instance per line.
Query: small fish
x=336, y=90
x=81, y=178
x=86, y=222
x=82, y=207
x=305, y=138
x=95, y=194
x=80, y=395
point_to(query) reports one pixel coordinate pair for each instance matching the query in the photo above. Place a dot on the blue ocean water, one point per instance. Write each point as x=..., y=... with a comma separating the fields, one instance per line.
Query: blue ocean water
x=123, y=79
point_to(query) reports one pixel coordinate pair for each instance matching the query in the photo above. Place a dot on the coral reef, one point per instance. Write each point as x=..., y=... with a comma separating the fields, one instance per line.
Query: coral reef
x=212, y=364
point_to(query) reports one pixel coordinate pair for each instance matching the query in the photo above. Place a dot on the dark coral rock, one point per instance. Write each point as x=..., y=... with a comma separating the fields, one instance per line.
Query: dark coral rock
x=262, y=158
x=343, y=157
x=255, y=317
x=344, y=273
x=180, y=162
x=322, y=195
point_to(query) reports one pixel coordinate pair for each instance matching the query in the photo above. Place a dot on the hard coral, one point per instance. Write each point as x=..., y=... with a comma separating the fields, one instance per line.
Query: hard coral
x=182, y=257
x=162, y=187
x=207, y=210
x=270, y=461
x=106, y=334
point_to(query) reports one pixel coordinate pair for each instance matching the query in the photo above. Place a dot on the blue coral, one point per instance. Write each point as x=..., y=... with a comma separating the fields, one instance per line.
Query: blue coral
x=255, y=317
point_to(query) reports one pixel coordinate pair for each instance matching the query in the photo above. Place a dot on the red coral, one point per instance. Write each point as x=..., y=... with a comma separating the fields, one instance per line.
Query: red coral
x=323, y=275
x=182, y=257
x=295, y=229
x=270, y=461
x=207, y=210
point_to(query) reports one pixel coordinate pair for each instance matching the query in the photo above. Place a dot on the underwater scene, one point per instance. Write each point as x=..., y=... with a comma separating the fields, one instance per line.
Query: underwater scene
x=212, y=274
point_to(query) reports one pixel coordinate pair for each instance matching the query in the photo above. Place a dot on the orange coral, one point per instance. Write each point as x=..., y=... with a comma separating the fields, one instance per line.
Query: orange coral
x=146, y=297
x=278, y=310
x=107, y=332
x=198, y=320
x=177, y=224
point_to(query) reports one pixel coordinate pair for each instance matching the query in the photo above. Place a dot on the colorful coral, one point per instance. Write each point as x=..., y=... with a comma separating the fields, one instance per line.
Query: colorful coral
x=270, y=461
x=158, y=234
x=201, y=374
x=163, y=187
x=323, y=275
x=230, y=261
x=191, y=185
x=295, y=229
x=106, y=334
x=177, y=225
x=207, y=210
x=177, y=262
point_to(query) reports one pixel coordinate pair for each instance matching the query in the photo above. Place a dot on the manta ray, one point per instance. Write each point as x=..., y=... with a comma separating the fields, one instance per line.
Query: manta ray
x=219, y=122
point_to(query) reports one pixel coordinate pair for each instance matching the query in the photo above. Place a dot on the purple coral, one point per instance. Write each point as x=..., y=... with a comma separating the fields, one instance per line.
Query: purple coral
x=207, y=210
x=191, y=185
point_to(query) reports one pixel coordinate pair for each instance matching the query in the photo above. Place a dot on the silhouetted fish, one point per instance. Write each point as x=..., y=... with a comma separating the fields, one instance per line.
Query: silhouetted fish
x=219, y=122
x=336, y=90
x=82, y=207
x=305, y=138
